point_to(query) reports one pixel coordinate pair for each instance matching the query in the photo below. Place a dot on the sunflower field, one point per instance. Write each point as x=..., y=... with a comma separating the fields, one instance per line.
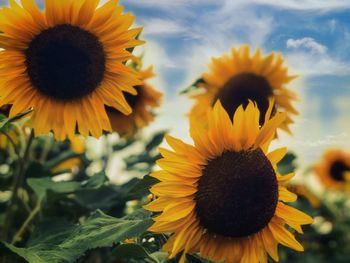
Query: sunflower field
x=88, y=174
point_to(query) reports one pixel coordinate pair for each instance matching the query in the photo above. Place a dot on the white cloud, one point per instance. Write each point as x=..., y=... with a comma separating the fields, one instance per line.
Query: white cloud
x=213, y=33
x=308, y=43
x=311, y=137
x=305, y=5
x=161, y=27
x=154, y=54
x=229, y=23
x=314, y=59
x=332, y=24
x=306, y=63
x=157, y=3
x=168, y=4
x=342, y=106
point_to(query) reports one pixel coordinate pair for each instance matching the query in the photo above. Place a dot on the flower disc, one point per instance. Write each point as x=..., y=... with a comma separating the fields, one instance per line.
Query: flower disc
x=65, y=62
x=232, y=198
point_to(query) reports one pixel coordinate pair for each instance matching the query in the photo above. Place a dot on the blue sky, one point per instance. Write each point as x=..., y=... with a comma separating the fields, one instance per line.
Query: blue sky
x=314, y=36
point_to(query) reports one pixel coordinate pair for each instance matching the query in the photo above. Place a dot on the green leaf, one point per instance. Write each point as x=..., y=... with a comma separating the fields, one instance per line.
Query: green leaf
x=155, y=141
x=42, y=185
x=140, y=214
x=19, y=116
x=103, y=198
x=36, y=169
x=67, y=243
x=142, y=162
x=127, y=251
x=2, y=117
x=287, y=164
x=95, y=181
x=159, y=257
x=142, y=187
x=53, y=231
x=193, y=86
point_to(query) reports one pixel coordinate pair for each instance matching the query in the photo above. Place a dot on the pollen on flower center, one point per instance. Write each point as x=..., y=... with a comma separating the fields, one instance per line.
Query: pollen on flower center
x=237, y=194
x=244, y=87
x=65, y=62
x=338, y=169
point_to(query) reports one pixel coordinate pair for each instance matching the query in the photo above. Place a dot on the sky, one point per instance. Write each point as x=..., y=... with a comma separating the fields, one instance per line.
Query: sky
x=313, y=35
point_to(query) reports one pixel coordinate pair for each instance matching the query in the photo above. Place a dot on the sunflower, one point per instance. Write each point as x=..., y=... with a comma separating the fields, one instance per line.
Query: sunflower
x=334, y=169
x=238, y=77
x=142, y=104
x=222, y=197
x=76, y=145
x=66, y=63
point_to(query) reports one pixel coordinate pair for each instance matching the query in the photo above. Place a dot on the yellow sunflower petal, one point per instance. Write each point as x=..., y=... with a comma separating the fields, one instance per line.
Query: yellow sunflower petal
x=283, y=236
x=269, y=128
x=270, y=243
x=285, y=178
x=291, y=214
x=171, y=189
x=176, y=211
x=286, y=196
x=277, y=155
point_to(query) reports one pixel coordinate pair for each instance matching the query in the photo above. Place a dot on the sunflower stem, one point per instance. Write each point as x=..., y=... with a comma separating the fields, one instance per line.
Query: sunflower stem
x=24, y=226
x=17, y=183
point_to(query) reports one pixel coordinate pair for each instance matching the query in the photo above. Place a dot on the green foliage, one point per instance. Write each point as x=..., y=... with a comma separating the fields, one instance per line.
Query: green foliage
x=287, y=164
x=50, y=212
x=42, y=185
x=5, y=122
x=193, y=86
x=141, y=187
x=66, y=243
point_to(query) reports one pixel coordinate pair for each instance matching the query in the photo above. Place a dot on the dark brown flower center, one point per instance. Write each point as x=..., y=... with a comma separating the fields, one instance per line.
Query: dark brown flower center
x=65, y=62
x=338, y=169
x=237, y=194
x=131, y=99
x=244, y=87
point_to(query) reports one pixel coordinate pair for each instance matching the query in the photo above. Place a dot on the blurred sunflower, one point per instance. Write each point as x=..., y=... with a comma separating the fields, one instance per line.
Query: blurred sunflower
x=66, y=63
x=77, y=145
x=238, y=77
x=142, y=105
x=222, y=197
x=334, y=169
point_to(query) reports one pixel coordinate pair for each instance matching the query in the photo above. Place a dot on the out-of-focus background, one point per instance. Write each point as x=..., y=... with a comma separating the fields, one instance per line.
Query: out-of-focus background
x=105, y=182
x=314, y=36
